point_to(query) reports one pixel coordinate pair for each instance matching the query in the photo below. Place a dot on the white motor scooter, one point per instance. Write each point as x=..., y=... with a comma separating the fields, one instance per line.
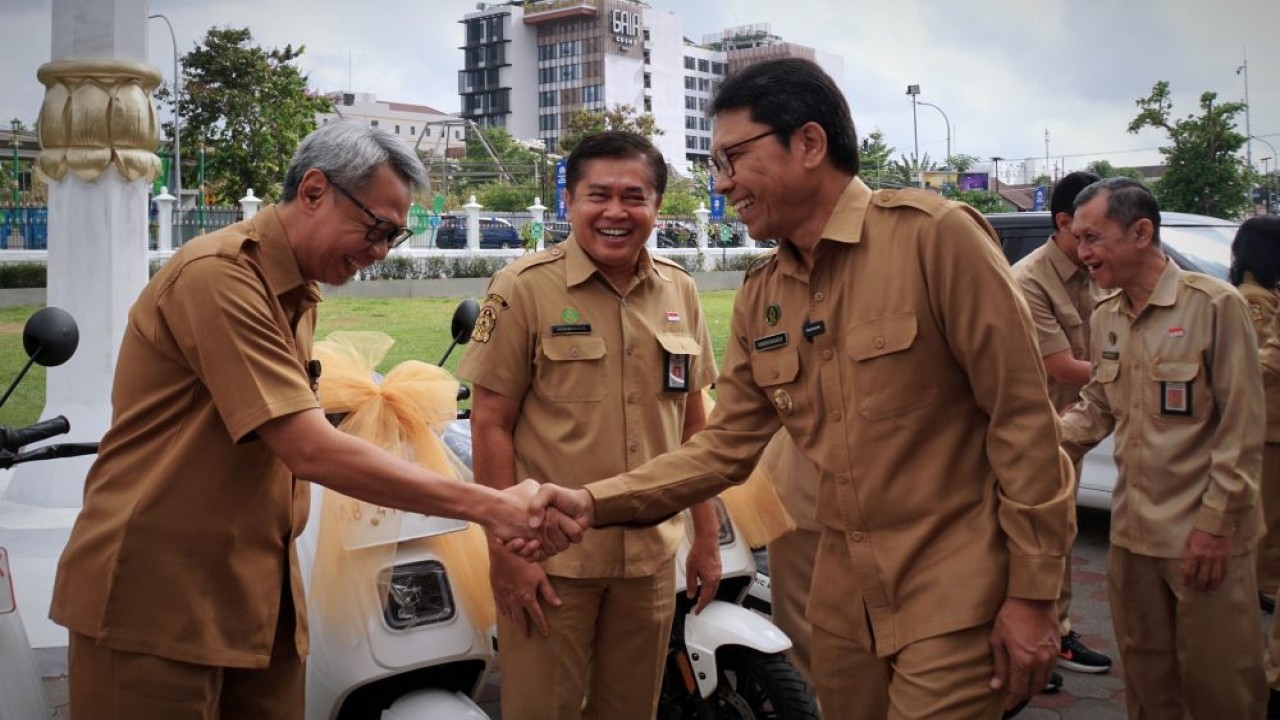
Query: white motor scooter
x=50, y=338
x=393, y=635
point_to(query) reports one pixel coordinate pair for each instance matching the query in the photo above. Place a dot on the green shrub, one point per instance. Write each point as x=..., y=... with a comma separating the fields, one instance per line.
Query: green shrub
x=735, y=263
x=401, y=267
x=22, y=275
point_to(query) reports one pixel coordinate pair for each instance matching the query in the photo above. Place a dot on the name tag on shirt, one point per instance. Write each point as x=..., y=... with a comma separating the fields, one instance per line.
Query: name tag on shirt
x=771, y=342
x=1110, y=354
x=676, y=373
x=1175, y=398
x=581, y=329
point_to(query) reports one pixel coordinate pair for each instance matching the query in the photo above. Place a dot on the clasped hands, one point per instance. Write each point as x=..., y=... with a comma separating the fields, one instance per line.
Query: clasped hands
x=539, y=520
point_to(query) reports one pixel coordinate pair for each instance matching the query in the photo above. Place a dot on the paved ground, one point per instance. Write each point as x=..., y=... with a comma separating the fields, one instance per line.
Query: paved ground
x=1084, y=697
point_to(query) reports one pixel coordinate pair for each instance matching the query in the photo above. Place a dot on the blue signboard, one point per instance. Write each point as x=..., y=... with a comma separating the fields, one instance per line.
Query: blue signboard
x=562, y=207
x=1038, y=198
x=717, y=200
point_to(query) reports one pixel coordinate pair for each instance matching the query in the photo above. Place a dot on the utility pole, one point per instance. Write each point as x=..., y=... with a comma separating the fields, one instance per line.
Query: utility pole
x=1248, y=132
x=1046, y=155
x=913, y=91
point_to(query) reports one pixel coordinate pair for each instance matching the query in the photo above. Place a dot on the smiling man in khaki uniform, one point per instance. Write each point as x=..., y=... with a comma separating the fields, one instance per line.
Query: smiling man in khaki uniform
x=887, y=335
x=180, y=583
x=1061, y=295
x=590, y=359
x=1176, y=375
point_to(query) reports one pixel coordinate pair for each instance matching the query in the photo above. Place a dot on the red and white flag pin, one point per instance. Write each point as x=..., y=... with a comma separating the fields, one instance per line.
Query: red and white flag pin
x=673, y=316
x=1176, y=331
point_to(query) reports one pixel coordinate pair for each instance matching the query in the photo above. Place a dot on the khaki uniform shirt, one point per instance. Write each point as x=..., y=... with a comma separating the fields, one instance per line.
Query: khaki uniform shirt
x=1263, y=304
x=1181, y=386
x=1061, y=296
x=904, y=366
x=184, y=545
x=602, y=379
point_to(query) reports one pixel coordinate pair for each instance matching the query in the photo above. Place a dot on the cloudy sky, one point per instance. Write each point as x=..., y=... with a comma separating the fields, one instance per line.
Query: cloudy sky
x=1002, y=70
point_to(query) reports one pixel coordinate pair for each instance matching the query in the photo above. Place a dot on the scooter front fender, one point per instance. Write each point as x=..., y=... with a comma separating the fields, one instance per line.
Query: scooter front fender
x=434, y=703
x=721, y=624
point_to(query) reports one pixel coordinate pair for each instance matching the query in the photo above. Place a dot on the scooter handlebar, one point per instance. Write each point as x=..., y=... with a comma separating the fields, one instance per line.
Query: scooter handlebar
x=13, y=438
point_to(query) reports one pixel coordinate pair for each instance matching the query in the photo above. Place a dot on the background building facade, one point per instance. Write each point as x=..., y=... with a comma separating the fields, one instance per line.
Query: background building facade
x=528, y=66
x=425, y=128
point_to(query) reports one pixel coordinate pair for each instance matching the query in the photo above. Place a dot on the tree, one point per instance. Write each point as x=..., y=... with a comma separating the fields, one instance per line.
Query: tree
x=905, y=172
x=961, y=162
x=1203, y=172
x=1042, y=180
x=874, y=157
x=1105, y=169
x=250, y=106
x=620, y=117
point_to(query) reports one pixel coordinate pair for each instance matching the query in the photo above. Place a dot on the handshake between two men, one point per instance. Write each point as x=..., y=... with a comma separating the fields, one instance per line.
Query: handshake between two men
x=540, y=520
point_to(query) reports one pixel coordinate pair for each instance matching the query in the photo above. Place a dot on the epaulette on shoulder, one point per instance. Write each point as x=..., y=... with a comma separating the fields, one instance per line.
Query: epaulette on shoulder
x=1206, y=284
x=663, y=260
x=930, y=202
x=760, y=263
x=531, y=260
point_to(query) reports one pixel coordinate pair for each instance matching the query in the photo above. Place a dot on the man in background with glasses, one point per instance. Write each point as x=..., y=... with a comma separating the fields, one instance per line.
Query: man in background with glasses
x=887, y=336
x=180, y=583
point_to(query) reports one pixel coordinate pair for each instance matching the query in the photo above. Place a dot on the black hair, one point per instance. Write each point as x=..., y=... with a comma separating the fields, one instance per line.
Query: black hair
x=1066, y=190
x=1128, y=201
x=787, y=93
x=1256, y=250
x=616, y=144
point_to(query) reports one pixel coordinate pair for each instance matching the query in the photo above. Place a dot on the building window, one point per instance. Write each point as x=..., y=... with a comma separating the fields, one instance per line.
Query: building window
x=373, y=123
x=702, y=103
x=397, y=129
x=704, y=123
x=717, y=68
x=704, y=84
x=546, y=98
x=546, y=52
x=688, y=63
x=592, y=93
x=648, y=104
x=690, y=82
x=568, y=72
x=691, y=122
x=413, y=129
x=690, y=102
x=546, y=76
x=704, y=66
x=691, y=142
x=547, y=122
x=648, y=81
x=704, y=143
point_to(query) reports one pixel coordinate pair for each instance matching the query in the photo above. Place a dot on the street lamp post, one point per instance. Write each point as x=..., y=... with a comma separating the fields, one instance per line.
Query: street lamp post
x=177, y=134
x=948, y=124
x=14, y=125
x=1248, y=133
x=996, y=162
x=1267, y=190
x=913, y=91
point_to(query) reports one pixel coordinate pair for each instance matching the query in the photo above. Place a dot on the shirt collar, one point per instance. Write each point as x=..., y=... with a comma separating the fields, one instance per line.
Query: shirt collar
x=279, y=263
x=1062, y=263
x=1166, y=289
x=843, y=226
x=580, y=267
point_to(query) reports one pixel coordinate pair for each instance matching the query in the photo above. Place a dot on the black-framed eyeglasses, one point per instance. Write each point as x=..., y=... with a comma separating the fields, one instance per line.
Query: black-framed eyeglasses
x=722, y=164
x=382, y=229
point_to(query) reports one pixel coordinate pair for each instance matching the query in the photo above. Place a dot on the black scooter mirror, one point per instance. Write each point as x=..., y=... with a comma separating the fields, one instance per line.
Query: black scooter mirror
x=464, y=322
x=51, y=337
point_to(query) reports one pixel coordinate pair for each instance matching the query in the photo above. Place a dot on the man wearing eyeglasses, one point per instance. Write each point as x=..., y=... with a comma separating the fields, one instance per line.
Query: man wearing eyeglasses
x=180, y=583
x=887, y=336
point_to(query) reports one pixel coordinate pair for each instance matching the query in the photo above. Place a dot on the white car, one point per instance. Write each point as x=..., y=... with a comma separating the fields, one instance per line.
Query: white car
x=1195, y=242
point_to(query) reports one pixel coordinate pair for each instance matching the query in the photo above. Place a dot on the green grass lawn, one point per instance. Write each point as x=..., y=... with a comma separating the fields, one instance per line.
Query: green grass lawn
x=420, y=327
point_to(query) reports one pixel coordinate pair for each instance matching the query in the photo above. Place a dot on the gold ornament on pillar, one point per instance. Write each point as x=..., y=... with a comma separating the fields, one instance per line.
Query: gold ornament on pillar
x=98, y=113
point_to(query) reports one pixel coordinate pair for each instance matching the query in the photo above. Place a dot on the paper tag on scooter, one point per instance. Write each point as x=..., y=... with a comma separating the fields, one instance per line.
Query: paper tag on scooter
x=7, y=603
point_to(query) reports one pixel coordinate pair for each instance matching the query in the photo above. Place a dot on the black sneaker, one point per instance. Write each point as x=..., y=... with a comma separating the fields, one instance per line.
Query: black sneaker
x=1076, y=656
x=1266, y=602
x=1054, y=683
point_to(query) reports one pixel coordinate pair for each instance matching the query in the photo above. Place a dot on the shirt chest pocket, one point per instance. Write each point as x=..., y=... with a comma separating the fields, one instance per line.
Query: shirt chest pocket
x=572, y=369
x=776, y=373
x=1178, y=390
x=678, y=356
x=891, y=377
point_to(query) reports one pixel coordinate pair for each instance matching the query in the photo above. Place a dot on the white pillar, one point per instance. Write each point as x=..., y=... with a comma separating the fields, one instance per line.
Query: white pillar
x=702, y=213
x=98, y=135
x=473, y=223
x=249, y=204
x=164, y=220
x=537, y=211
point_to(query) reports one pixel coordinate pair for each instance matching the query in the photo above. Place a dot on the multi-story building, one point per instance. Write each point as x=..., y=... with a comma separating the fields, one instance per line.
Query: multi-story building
x=424, y=128
x=528, y=66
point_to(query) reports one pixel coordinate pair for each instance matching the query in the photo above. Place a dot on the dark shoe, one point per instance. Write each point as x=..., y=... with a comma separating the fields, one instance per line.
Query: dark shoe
x=1273, y=705
x=1078, y=657
x=1020, y=707
x=1267, y=602
x=1054, y=684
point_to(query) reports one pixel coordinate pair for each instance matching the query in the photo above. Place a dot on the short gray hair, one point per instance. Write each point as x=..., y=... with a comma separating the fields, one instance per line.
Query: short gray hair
x=1128, y=201
x=349, y=153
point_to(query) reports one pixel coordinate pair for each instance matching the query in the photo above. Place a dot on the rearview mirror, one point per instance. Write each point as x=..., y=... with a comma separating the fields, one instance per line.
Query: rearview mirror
x=50, y=336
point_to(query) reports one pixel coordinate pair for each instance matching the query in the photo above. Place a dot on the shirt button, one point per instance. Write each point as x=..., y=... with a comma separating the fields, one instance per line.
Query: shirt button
x=634, y=447
x=631, y=349
x=631, y=398
x=818, y=296
x=574, y=352
x=826, y=354
x=878, y=342
x=857, y=537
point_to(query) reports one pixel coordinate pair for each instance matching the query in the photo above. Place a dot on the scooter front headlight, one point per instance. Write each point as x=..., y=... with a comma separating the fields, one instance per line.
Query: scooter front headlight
x=417, y=593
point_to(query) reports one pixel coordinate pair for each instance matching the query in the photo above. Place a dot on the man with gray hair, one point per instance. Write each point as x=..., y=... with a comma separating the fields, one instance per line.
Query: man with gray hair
x=1176, y=375
x=180, y=583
